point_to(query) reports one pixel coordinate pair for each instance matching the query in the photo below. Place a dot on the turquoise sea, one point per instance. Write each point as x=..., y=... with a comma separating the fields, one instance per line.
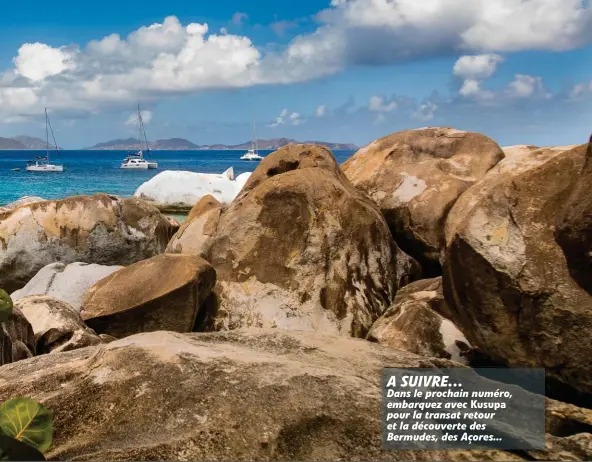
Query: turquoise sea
x=89, y=172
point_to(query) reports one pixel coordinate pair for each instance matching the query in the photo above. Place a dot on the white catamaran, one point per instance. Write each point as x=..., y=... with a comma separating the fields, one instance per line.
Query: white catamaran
x=42, y=163
x=136, y=161
x=253, y=154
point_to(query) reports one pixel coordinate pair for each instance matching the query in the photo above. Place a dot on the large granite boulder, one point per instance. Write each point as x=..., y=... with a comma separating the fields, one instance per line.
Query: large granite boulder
x=574, y=227
x=413, y=324
x=250, y=395
x=300, y=248
x=506, y=280
x=98, y=229
x=17, y=340
x=200, y=225
x=178, y=191
x=22, y=201
x=416, y=176
x=162, y=293
x=57, y=326
x=68, y=283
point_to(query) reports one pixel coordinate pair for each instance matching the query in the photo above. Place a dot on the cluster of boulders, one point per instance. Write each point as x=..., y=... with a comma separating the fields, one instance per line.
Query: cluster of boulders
x=240, y=333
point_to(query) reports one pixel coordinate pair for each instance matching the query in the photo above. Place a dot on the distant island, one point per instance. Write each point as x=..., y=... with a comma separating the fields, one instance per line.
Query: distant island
x=18, y=143
x=180, y=144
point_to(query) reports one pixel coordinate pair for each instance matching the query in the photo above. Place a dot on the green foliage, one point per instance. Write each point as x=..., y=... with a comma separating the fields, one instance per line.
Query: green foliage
x=5, y=306
x=26, y=429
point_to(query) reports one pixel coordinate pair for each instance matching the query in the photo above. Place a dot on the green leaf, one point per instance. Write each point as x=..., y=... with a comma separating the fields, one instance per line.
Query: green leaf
x=5, y=306
x=11, y=449
x=27, y=421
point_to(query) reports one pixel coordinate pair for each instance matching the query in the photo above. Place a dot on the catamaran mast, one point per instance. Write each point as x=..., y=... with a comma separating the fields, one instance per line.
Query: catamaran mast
x=46, y=137
x=254, y=143
x=143, y=130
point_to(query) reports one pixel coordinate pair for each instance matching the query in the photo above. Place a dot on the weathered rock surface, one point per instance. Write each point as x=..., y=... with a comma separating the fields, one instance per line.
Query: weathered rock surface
x=251, y=395
x=300, y=248
x=97, y=229
x=506, y=280
x=200, y=225
x=162, y=293
x=416, y=176
x=413, y=324
x=22, y=201
x=574, y=228
x=17, y=340
x=57, y=326
x=68, y=283
x=178, y=191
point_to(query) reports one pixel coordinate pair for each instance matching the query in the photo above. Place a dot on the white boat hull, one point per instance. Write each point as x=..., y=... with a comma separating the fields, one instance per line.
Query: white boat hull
x=134, y=167
x=45, y=168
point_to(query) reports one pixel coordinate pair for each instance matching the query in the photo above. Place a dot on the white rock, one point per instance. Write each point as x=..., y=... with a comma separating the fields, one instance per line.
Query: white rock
x=179, y=188
x=66, y=283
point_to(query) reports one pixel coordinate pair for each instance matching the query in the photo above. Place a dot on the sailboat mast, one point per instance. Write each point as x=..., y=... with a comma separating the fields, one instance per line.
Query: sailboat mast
x=255, y=141
x=143, y=130
x=46, y=137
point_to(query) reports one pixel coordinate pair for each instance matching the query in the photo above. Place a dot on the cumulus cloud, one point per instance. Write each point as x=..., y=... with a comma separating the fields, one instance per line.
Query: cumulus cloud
x=581, y=90
x=426, y=111
x=151, y=62
x=527, y=86
x=239, y=18
x=409, y=29
x=133, y=118
x=477, y=67
x=380, y=104
x=171, y=58
x=321, y=110
x=288, y=118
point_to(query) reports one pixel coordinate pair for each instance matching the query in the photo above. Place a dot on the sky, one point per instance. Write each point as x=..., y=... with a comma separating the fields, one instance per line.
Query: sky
x=348, y=71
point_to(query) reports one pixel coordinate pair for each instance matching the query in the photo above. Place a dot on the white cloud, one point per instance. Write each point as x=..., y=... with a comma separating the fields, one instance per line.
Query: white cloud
x=527, y=86
x=379, y=104
x=37, y=61
x=133, y=118
x=321, y=110
x=581, y=90
x=150, y=63
x=409, y=29
x=238, y=18
x=286, y=117
x=477, y=67
x=380, y=118
x=426, y=111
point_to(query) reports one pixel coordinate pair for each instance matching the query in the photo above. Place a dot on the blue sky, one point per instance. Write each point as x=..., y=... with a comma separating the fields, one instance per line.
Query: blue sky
x=344, y=71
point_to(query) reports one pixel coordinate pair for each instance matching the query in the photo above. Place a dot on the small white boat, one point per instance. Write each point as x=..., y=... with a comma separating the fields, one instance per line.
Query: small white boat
x=137, y=161
x=42, y=164
x=252, y=154
x=134, y=162
x=16, y=169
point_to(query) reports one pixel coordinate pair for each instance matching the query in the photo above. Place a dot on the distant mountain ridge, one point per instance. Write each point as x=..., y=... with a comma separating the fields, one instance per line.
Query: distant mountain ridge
x=186, y=145
x=18, y=143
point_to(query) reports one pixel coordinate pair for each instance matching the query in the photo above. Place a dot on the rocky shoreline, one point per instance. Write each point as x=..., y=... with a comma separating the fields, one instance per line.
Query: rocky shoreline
x=240, y=333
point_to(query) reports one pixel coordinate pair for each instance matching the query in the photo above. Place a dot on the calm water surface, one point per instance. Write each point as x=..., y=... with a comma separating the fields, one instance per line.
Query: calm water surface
x=89, y=172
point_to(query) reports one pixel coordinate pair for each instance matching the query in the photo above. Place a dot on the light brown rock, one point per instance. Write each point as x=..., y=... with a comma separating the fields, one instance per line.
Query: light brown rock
x=98, y=229
x=300, y=248
x=506, y=280
x=574, y=227
x=416, y=176
x=17, y=340
x=57, y=325
x=413, y=324
x=242, y=395
x=200, y=225
x=162, y=293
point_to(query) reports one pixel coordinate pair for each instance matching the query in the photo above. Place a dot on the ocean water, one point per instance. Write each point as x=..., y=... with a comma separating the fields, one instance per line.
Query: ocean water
x=89, y=172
